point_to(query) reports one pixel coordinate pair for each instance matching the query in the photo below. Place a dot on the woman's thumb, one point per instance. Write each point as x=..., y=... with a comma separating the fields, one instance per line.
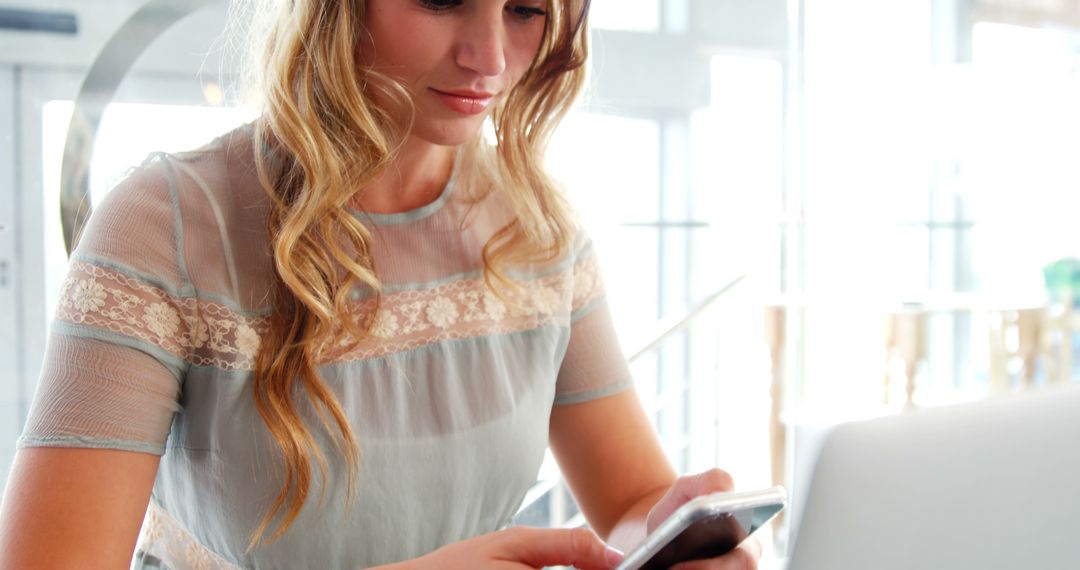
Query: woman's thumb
x=578, y=547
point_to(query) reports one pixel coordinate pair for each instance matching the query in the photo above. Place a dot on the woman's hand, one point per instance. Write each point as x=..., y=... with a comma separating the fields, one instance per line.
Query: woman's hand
x=689, y=487
x=520, y=548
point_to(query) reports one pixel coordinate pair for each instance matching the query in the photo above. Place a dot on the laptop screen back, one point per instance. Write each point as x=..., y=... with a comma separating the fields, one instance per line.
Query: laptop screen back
x=987, y=486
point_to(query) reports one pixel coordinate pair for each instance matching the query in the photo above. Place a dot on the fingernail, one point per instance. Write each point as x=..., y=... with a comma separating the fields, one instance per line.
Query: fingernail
x=613, y=556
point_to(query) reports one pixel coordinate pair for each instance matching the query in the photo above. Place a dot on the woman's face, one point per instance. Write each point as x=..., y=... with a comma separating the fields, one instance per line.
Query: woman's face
x=457, y=57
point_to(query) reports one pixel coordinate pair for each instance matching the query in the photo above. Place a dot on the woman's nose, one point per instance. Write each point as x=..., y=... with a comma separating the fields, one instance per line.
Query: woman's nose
x=481, y=47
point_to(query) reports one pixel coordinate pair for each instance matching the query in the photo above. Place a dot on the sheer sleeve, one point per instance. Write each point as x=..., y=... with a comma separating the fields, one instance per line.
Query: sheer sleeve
x=594, y=365
x=119, y=342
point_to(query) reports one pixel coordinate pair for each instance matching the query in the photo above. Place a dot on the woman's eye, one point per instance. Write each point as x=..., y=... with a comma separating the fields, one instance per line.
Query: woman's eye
x=525, y=13
x=439, y=5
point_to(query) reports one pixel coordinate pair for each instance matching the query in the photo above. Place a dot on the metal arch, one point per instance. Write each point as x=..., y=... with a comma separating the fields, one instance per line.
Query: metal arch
x=109, y=68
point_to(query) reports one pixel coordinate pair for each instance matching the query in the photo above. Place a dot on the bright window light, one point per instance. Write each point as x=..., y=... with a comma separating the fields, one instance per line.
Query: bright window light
x=637, y=15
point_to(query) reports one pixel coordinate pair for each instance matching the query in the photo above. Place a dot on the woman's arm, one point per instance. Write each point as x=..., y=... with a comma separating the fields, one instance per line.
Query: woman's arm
x=617, y=470
x=74, y=508
x=613, y=462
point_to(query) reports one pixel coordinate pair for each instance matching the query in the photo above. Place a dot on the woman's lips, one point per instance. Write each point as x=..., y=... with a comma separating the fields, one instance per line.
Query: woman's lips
x=465, y=102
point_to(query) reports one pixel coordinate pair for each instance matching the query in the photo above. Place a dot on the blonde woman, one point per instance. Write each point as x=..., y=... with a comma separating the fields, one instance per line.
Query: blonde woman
x=343, y=336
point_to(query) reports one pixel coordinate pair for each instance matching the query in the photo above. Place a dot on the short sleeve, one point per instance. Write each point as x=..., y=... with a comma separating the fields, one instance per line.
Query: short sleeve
x=117, y=346
x=594, y=365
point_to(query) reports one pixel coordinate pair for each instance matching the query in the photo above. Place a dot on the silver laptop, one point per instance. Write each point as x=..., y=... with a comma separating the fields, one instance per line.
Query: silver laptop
x=988, y=486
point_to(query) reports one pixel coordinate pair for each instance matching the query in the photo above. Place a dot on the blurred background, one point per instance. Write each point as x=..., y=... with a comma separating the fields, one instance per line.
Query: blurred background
x=807, y=211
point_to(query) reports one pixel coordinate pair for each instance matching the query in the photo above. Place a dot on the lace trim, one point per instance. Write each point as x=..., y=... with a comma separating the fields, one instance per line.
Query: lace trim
x=467, y=309
x=163, y=537
x=196, y=331
x=210, y=334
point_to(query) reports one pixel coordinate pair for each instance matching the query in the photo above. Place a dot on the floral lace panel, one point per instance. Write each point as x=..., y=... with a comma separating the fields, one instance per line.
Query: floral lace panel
x=466, y=309
x=165, y=539
x=210, y=334
x=195, y=331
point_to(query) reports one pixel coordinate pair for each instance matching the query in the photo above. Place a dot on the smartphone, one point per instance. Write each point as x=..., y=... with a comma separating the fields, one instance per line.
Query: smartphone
x=706, y=527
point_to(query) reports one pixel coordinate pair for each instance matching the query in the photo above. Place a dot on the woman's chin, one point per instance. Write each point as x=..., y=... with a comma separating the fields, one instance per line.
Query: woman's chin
x=454, y=134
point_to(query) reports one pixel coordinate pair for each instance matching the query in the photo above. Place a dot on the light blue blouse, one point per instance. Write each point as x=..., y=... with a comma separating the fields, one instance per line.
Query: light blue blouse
x=160, y=321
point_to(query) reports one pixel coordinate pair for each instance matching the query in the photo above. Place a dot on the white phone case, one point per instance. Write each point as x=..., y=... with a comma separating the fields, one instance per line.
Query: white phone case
x=767, y=502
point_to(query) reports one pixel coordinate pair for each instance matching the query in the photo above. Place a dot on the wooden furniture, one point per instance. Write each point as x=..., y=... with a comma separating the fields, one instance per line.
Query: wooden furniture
x=1033, y=337
x=905, y=338
x=775, y=338
x=1014, y=334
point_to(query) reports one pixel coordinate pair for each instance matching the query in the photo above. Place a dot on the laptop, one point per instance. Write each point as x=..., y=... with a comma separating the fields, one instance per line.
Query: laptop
x=993, y=485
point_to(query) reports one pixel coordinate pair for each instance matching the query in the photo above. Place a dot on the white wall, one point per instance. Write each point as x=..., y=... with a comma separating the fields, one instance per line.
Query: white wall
x=751, y=25
x=98, y=20
x=10, y=362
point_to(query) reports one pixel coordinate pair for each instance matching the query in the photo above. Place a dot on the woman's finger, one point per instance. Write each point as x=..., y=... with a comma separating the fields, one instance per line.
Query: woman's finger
x=686, y=488
x=579, y=547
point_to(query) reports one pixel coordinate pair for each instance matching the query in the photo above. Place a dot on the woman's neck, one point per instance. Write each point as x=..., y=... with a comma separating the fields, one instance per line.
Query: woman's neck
x=415, y=178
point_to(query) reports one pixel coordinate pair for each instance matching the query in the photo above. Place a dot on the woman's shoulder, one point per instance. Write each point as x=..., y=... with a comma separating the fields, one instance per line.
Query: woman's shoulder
x=219, y=175
x=134, y=224
x=179, y=209
x=214, y=171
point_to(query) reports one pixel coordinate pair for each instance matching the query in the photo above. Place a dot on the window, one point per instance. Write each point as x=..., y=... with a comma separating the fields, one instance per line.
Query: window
x=678, y=206
x=636, y=15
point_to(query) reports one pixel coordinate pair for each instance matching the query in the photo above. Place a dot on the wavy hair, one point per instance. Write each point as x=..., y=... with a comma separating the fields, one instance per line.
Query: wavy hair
x=324, y=137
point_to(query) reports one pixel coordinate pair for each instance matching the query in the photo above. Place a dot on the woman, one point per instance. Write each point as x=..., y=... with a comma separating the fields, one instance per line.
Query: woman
x=344, y=335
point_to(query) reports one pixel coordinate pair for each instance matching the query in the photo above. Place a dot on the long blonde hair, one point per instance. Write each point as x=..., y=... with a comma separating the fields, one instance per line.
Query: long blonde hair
x=324, y=138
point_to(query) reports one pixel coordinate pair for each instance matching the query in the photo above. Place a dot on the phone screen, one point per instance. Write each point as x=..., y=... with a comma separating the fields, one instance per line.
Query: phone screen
x=711, y=536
